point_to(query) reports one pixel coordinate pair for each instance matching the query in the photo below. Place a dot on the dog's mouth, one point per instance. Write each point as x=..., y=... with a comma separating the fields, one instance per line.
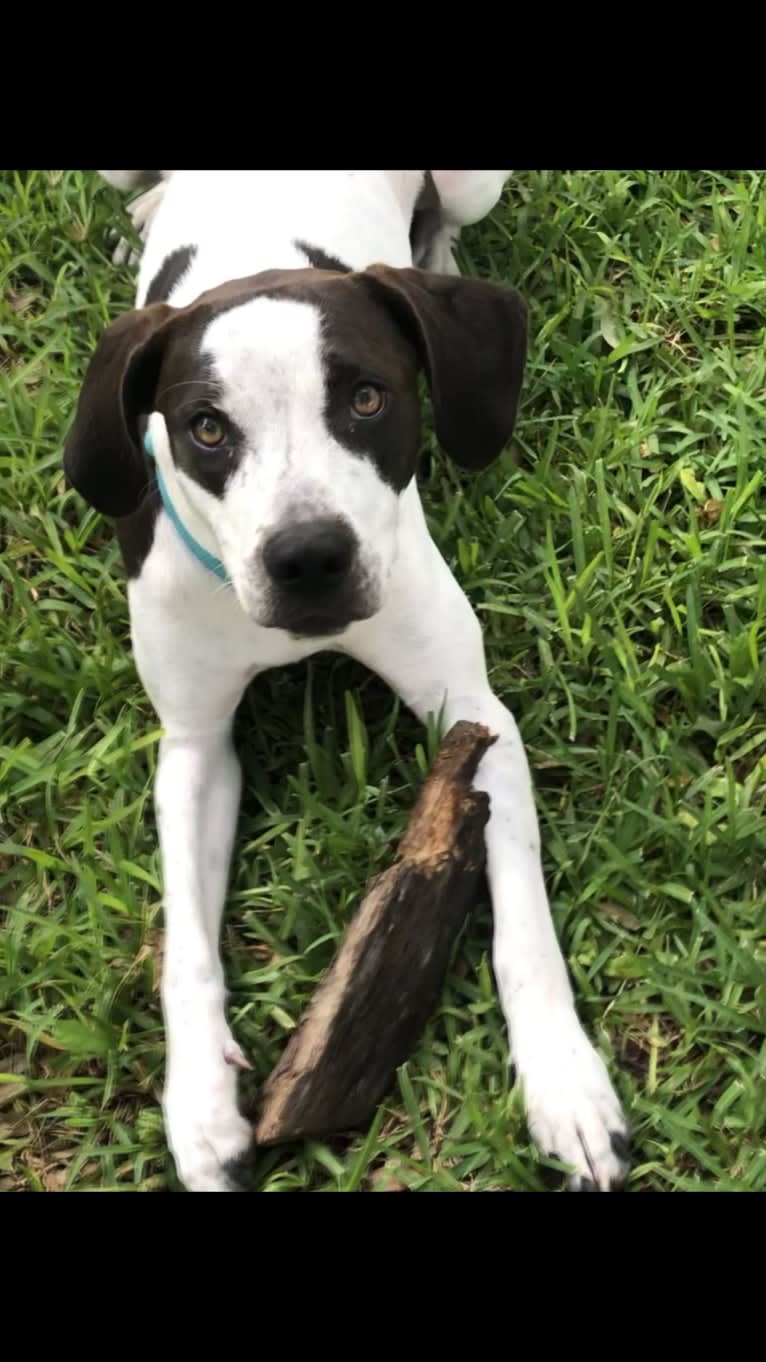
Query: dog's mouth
x=306, y=607
x=309, y=619
x=323, y=614
x=317, y=621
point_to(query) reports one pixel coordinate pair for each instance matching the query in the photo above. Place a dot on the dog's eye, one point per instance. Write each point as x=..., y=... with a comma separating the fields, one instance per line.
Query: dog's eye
x=208, y=430
x=367, y=400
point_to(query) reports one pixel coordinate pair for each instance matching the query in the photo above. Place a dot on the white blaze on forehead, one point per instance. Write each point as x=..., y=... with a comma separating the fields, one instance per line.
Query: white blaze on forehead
x=266, y=354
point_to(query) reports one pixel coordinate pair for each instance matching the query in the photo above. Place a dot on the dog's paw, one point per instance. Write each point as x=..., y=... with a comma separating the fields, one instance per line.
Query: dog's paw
x=210, y=1141
x=143, y=209
x=141, y=212
x=573, y=1112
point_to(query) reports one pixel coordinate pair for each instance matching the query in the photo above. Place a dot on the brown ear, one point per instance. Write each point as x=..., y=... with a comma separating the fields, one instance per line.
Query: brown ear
x=103, y=458
x=471, y=337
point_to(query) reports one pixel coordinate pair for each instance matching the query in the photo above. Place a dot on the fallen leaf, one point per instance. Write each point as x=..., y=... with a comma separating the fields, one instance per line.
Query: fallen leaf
x=10, y=1091
x=711, y=511
x=20, y=302
x=383, y=1180
x=54, y=1179
x=616, y=913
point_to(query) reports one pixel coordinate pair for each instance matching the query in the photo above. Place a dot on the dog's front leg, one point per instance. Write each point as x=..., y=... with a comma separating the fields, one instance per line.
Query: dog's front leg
x=427, y=644
x=197, y=798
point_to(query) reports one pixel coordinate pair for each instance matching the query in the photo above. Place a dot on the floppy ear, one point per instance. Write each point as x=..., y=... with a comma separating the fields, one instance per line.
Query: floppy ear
x=471, y=337
x=103, y=457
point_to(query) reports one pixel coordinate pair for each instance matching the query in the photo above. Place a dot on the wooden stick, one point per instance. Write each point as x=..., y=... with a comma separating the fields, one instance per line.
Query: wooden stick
x=368, y=1011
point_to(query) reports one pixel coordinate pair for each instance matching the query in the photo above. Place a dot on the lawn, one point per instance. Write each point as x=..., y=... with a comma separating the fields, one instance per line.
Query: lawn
x=616, y=558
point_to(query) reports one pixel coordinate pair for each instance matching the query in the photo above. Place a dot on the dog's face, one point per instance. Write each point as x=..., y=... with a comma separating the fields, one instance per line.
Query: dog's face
x=290, y=402
x=293, y=419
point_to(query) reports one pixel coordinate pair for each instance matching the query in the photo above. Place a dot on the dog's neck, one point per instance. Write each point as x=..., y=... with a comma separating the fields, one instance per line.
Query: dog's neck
x=203, y=555
x=176, y=493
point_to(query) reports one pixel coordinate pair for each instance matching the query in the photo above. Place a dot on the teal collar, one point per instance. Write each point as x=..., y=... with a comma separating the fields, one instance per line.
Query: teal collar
x=207, y=559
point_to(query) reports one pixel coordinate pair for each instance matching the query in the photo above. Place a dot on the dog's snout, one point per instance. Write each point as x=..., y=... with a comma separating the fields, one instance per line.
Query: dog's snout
x=311, y=558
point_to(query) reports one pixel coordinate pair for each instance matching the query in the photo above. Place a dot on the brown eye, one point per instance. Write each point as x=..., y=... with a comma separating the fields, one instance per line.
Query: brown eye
x=367, y=400
x=208, y=431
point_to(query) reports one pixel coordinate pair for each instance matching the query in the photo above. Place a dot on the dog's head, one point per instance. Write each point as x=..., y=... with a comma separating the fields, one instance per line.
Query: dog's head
x=290, y=402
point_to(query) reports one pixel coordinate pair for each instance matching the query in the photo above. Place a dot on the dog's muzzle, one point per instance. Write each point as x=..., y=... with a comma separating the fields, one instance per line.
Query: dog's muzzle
x=313, y=570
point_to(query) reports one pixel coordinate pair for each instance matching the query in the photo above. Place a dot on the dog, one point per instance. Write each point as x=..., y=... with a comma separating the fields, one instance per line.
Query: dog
x=253, y=427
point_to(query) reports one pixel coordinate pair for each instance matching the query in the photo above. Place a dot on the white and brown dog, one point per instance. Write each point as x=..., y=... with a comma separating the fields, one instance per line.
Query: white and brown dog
x=253, y=426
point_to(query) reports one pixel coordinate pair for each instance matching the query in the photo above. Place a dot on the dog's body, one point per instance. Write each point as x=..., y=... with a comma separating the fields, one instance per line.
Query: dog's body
x=282, y=411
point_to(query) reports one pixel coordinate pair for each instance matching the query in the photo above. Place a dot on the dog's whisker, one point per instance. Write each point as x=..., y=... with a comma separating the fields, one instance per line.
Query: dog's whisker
x=204, y=385
x=220, y=587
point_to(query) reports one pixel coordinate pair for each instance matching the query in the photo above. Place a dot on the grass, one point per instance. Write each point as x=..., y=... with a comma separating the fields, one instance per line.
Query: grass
x=616, y=559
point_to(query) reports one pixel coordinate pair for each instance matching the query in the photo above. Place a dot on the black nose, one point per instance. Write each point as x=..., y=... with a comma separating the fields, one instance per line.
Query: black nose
x=311, y=558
